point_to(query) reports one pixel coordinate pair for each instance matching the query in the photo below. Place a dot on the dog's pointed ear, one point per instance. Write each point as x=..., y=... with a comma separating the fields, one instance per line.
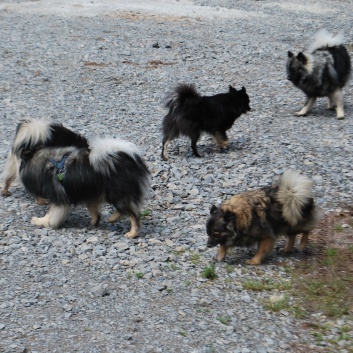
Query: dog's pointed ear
x=213, y=209
x=243, y=90
x=232, y=89
x=302, y=58
x=290, y=54
x=229, y=218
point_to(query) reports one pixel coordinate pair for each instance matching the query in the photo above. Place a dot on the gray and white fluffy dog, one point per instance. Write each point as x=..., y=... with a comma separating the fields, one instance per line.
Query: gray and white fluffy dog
x=109, y=170
x=321, y=72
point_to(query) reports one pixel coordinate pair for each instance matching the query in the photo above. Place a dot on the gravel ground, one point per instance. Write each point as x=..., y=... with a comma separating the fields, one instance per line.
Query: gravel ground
x=96, y=68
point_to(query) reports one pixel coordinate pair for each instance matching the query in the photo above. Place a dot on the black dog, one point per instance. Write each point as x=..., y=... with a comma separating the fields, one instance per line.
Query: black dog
x=190, y=114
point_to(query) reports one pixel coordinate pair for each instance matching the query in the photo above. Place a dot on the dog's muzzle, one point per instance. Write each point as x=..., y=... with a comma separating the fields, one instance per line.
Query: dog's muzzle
x=211, y=244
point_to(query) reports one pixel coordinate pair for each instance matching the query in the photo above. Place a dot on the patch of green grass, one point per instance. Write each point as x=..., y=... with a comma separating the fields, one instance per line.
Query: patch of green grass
x=266, y=284
x=139, y=275
x=172, y=266
x=326, y=287
x=195, y=258
x=182, y=333
x=229, y=268
x=145, y=214
x=209, y=272
x=338, y=228
x=225, y=320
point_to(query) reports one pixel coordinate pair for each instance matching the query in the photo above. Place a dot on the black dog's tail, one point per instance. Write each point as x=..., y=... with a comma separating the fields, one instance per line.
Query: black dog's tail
x=183, y=96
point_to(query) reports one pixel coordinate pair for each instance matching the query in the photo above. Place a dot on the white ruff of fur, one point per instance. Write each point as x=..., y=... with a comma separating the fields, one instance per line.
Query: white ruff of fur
x=34, y=130
x=310, y=63
x=102, y=150
x=295, y=190
x=324, y=39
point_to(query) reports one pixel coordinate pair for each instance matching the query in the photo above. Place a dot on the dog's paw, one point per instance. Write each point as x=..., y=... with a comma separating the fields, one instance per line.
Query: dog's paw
x=131, y=235
x=6, y=193
x=41, y=201
x=286, y=250
x=300, y=113
x=40, y=222
x=340, y=117
x=253, y=262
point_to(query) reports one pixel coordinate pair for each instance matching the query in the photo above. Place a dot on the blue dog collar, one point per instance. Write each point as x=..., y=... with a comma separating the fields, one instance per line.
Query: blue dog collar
x=60, y=167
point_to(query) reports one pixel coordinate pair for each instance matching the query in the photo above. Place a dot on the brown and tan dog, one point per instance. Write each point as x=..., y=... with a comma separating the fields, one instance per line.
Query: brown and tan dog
x=261, y=216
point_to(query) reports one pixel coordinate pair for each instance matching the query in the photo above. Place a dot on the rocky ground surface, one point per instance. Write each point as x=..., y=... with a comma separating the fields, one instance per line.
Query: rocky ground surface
x=104, y=69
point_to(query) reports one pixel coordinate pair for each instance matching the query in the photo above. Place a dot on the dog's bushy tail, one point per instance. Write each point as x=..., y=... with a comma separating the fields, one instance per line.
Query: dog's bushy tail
x=324, y=39
x=103, y=152
x=183, y=96
x=114, y=157
x=30, y=132
x=295, y=194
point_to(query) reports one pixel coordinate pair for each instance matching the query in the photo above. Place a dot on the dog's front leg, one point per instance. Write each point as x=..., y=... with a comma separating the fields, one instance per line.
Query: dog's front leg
x=222, y=252
x=95, y=213
x=54, y=218
x=265, y=247
x=309, y=104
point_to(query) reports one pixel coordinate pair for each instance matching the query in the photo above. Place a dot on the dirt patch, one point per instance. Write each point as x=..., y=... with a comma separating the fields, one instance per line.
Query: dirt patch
x=323, y=279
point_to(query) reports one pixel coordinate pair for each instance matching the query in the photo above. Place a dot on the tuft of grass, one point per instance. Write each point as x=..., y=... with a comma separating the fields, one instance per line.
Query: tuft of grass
x=139, y=275
x=195, y=258
x=182, y=333
x=277, y=303
x=209, y=272
x=266, y=284
x=145, y=214
x=229, y=269
x=225, y=320
x=338, y=228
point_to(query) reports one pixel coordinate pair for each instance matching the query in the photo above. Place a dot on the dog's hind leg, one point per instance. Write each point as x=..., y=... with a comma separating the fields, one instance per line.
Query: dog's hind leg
x=290, y=244
x=194, y=138
x=264, y=248
x=135, y=226
x=114, y=216
x=164, y=149
x=10, y=173
x=304, y=240
x=54, y=217
x=309, y=104
x=337, y=98
x=95, y=213
x=221, y=139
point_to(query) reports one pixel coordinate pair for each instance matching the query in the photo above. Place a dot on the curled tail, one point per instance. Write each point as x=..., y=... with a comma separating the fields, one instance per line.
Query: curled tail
x=295, y=194
x=31, y=132
x=183, y=96
x=120, y=160
x=324, y=39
